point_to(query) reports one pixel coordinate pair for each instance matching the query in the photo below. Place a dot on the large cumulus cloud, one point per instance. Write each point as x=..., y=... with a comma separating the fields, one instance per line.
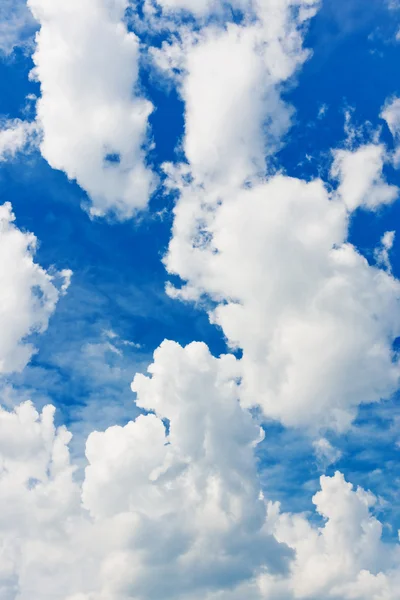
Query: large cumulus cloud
x=171, y=505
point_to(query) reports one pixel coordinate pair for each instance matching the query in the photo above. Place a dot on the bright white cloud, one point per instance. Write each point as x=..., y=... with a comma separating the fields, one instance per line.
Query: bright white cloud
x=198, y=7
x=28, y=296
x=186, y=502
x=170, y=505
x=382, y=253
x=391, y=114
x=17, y=136
x=315, y=321
x=345, y=559
x=175, y=511
x=361, y=178
x=93, y=118
x=230, y=82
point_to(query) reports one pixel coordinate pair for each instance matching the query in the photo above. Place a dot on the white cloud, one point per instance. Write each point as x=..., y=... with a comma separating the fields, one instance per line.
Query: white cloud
x=17, y=136
x=382, y=253
x=16, y=25
x=343, y=560
x=315, y=321
x=325, y=453
x=170, y=505
x=361, y=179
x=93, y=118
x=186, y=502
x=175, y=511
x=230, y=81
x=28, y=296
x=391, y=114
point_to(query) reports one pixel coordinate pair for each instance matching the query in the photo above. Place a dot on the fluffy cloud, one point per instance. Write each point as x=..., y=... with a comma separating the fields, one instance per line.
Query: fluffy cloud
x=170, y=504
x=28, y=296
x=361, y=177
x=346, y=558
x=17, y=136
x=230, y=82
x=315, y=321
x=182, y=498
x=382, y=253
x=93, y=119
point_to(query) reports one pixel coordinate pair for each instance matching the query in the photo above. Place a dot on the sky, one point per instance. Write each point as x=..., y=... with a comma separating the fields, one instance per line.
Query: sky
x=199, y=300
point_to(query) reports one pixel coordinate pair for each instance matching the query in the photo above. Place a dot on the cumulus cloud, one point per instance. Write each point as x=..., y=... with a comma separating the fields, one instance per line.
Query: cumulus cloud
x=229, y=78
x=346, y=558
x=360, y=173
x=171, y=505
x=93, y=118
x=315, y=321
x=28, y=295
x=182, y=498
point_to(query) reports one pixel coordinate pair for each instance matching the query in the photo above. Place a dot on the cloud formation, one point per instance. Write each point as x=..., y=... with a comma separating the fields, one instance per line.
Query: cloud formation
x=315, y=321
x=17, y=136
x=28, y=295
x=93, y=117
x=229, y=78
x=170, y=505
x=175, y=493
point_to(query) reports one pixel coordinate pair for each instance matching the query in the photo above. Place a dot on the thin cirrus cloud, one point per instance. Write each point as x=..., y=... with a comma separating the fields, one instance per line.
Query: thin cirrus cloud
x=170, y=504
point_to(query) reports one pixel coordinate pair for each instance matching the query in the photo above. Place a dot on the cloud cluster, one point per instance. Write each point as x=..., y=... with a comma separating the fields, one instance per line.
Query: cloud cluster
x=171, y=505
x=342, y=560
x=315, y=321
x=93, y=117
x=28, y=294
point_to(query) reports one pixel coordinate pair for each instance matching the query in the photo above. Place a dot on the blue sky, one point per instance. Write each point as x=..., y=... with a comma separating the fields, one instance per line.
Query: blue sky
x=116, y=312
